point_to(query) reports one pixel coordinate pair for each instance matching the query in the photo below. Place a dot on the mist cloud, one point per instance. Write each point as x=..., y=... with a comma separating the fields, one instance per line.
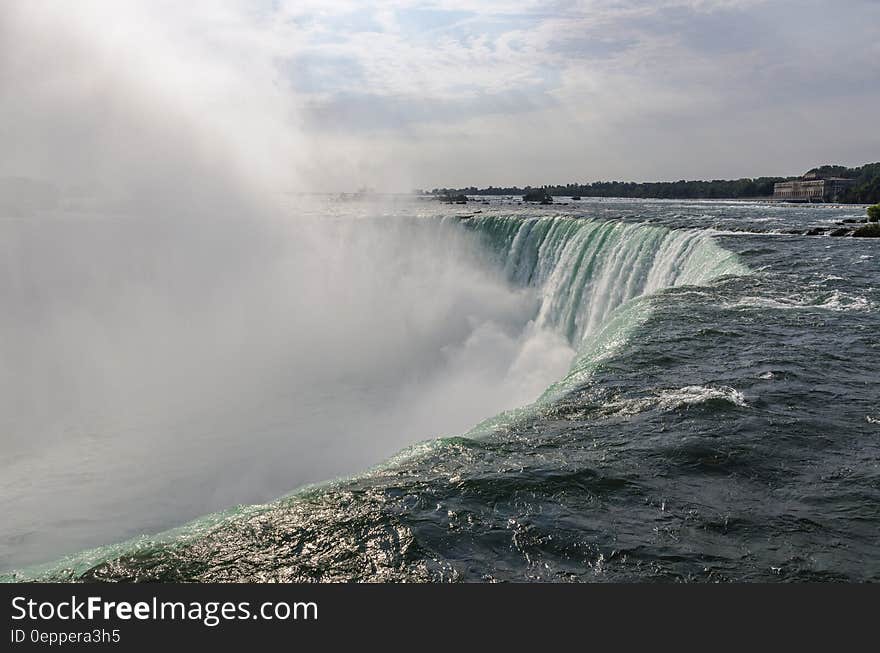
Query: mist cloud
x=179, y=333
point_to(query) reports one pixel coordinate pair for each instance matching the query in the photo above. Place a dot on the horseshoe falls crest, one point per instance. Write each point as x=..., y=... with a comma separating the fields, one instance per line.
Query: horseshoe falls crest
x=586, y=270
x=607, y=391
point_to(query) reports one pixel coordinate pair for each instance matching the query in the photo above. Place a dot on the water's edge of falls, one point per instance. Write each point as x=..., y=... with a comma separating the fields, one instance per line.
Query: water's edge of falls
x=592, y=277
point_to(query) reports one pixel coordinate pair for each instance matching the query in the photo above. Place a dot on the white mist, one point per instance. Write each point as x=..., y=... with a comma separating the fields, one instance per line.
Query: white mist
x=178, y=335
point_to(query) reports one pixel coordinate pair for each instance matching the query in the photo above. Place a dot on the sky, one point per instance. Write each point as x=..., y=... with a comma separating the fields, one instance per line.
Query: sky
x=336, y=95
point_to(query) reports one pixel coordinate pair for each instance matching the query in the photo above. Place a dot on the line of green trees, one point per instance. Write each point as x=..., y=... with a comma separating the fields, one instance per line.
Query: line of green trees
x=865, y=190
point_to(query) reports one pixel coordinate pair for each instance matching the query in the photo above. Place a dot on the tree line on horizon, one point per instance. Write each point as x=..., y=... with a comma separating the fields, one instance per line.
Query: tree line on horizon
x=865, y=190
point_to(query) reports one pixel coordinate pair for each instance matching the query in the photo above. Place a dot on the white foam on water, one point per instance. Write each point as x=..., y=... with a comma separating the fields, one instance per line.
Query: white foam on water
x=834, y=301
x=674, y=399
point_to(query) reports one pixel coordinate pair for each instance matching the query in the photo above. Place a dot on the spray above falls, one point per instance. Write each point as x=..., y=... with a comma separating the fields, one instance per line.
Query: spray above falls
x=308, y=351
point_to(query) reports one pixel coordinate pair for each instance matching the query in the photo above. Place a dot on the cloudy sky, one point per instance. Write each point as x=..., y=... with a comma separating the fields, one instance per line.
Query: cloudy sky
x=414, y=93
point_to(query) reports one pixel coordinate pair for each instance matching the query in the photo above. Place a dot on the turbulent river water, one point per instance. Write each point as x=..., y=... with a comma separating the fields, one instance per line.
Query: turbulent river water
x=676, y=391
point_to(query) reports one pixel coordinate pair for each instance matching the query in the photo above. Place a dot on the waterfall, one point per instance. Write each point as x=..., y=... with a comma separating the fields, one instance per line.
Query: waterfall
x=586, y=269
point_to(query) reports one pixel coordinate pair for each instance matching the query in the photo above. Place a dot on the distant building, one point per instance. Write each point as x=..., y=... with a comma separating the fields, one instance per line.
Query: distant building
x=812, y=188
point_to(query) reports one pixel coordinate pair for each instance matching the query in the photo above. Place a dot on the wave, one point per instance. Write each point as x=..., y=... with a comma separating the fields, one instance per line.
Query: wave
x=674, y=399
x=830, y=301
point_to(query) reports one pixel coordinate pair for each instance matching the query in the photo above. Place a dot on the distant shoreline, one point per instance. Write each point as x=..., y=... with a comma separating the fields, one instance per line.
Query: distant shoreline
x=565, y=199
x=865, y=188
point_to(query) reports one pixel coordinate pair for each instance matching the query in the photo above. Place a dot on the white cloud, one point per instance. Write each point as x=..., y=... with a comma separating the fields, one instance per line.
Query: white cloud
x=431, y=92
